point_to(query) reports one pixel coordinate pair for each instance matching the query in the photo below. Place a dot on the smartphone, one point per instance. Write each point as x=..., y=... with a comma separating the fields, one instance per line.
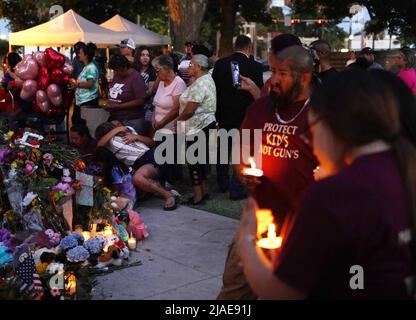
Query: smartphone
x=235, y=72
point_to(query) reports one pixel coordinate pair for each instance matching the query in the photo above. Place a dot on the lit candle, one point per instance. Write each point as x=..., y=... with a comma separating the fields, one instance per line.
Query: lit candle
x=108, y=231
x=264, y=218
x=86, y=235
x=131, y=242
x=272, y=241
x=71, y=286
x=253, y=171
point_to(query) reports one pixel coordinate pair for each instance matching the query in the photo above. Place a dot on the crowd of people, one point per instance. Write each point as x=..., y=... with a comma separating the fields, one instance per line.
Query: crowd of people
x=337, y=151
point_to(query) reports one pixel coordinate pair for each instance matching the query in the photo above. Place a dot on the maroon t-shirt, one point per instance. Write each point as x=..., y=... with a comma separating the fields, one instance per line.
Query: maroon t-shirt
x=125, y=89
x=287, y=161
x=357, y=217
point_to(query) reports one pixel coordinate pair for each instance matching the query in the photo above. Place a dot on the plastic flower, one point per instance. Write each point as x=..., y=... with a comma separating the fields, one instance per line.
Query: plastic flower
x=49, y=233
x=94, y=245
x=55, y=239
x=68, y=242
x=77, y=254
x=3, y=153
x=47, y=159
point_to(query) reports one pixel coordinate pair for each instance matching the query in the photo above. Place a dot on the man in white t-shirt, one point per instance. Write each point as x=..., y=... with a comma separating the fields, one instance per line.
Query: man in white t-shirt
x=135, y=151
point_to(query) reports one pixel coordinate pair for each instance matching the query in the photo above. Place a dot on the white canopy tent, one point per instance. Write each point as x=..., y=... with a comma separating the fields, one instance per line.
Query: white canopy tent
x=65, y=30
x=140, y=35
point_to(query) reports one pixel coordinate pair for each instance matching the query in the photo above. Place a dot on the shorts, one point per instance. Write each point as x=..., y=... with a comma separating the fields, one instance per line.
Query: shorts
x=147, y=158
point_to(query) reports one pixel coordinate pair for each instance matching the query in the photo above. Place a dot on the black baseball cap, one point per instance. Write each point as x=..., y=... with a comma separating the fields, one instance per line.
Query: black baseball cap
x=367, y=50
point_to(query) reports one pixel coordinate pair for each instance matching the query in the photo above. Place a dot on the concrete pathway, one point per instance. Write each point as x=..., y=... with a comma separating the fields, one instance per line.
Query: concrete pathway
x=182, y=259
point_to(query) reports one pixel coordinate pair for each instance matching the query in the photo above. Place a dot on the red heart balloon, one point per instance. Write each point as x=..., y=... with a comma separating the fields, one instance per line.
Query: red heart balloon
x=53, y=59
x=58, y=76
x=44, y=78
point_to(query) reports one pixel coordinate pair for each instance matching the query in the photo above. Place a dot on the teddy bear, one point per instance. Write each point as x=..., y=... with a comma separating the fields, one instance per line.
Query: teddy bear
x=121, y=205
x=110, y=257
x=136, y=225
x=125, y=253
x=114, y=240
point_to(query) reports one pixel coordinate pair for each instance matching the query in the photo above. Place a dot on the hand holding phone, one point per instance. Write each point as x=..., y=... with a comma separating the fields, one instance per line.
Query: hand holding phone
x=235, y=72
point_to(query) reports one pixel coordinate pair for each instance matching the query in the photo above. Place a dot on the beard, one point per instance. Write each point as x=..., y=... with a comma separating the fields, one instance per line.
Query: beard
x=287, y=98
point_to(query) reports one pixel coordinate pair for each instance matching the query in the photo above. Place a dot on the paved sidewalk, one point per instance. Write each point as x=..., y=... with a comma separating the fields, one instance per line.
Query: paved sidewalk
x=182, y=259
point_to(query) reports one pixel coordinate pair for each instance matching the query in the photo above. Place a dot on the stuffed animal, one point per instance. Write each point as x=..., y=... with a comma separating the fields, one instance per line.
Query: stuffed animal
x=121, y=205
x=111, y=257
x=137, y=226
x=109, y=241
x=124, y=250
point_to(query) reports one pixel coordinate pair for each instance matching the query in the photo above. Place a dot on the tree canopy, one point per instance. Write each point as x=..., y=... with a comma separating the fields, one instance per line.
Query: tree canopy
x=399, y=17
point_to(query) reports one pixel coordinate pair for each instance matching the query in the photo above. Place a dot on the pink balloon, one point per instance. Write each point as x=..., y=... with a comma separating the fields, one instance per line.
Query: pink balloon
x=27, y=69
x=68, y=68
x=41, y=96
x=55, y=95
x=28, y=90
x=42, y=100
x=40, y=58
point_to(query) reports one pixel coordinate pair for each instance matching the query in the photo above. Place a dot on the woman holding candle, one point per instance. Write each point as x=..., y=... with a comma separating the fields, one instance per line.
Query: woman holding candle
x=362, y=217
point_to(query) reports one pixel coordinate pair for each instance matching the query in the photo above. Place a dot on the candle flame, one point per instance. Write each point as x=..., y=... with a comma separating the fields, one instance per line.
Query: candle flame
x=271, y=233
x=72, y=284
x=252, y=163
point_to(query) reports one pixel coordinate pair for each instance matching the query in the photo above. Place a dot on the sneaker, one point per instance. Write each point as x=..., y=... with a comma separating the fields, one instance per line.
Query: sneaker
x=175, y=193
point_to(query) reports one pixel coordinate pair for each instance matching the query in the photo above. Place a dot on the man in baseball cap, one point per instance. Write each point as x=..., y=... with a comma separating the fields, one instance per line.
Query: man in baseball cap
x=369, y=54
x=127, y=47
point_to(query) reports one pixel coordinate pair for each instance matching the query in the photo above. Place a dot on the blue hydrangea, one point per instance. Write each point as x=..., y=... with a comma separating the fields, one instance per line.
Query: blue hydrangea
x=101, y=239
x=79, y=237
x=77, y=254
x=93, y=245
x=68, y=242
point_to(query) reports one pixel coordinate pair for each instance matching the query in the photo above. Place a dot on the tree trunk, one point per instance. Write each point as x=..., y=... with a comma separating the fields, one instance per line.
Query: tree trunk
x=185, y=20
x=228, y=13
